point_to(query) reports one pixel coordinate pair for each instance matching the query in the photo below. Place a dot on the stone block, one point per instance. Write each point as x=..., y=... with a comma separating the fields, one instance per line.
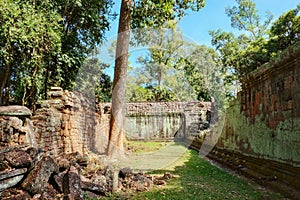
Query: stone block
x=11, y=178
x=58, y=179
x=72, y=185
x=15, y=194
x=18, y=158
x=38, y=178
x=125, y=172
x=95, y=188
x=50, y=193
x=15, y=111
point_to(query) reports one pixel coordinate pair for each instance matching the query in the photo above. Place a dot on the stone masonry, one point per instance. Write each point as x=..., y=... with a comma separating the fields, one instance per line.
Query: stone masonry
x=66, y=123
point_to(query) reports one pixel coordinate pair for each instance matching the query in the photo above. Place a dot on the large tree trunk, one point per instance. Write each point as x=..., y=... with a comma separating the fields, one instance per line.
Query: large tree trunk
x=117, y=133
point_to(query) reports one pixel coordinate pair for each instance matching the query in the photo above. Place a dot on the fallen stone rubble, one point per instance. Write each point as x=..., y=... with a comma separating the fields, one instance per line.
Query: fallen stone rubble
x=26, y=174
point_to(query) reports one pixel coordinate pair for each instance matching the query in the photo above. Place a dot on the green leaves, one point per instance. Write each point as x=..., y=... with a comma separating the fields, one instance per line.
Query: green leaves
x=44, y=43
x=286, y=30
x=245, y=17
x=260, y=43
x=154, y=13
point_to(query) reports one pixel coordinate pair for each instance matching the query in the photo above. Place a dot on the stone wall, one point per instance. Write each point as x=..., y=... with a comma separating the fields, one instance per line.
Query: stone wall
x=261, y=133
x=67, y=122
x=265, y=119
x=161, y=120
x=15, y=127
x=70, y=122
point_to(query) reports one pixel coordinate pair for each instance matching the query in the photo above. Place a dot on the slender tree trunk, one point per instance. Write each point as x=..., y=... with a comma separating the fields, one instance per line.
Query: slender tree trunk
x=4, y=84
x=117, y=133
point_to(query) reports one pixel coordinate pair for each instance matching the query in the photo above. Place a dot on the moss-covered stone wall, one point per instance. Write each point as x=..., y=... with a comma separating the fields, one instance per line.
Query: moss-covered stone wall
x=264, y=121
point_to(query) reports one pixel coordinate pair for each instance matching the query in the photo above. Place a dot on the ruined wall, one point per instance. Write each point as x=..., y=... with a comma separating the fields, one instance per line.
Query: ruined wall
x=69, y=122
x=66, y=123
x=264, y=121
x=15, y=127
x=161, y=120
x=153, y=121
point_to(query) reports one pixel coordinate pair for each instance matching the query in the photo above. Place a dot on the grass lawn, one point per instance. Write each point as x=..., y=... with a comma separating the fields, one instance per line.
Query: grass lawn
x=196, y=178
x=138, y=147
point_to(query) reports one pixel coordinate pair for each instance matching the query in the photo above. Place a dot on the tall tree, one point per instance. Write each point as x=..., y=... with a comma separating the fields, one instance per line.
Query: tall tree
x=243, y=53
x=245, y=17
x=285, y=31
x=161, y=66
x=44, y=43
x=137, y=14
x=116, y=133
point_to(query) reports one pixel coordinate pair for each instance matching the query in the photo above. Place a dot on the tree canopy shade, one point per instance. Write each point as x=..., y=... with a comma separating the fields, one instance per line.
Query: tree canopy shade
x=137, y=14
x=44, y=43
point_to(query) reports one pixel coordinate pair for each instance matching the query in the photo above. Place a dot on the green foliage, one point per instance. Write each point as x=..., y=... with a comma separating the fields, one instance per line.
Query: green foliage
x=175, y=69
x=44, y=43
x=159, y=78
x=92, y=82
x=245, y=17
x=285, y=31
x=154, y=13
x=28, y=33
x=245, y=53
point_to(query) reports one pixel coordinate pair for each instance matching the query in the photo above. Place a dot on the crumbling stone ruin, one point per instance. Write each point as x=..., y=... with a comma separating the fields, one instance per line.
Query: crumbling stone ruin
x=26, y=174
x=53, y=153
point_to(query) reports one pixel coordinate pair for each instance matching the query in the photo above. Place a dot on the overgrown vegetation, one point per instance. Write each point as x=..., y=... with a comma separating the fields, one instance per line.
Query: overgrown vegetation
x=196, y=178
x=260, y=42
x=44, y=43
x=175, y=69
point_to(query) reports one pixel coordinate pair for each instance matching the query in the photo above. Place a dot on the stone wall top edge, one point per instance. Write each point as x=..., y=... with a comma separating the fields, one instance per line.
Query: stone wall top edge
x=286, y=59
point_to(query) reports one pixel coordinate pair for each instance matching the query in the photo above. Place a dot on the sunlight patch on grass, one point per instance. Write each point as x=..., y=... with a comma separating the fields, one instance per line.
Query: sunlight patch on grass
x=139, y=147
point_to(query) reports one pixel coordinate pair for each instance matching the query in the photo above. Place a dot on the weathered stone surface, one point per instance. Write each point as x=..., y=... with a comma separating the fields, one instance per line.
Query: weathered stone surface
x=11, y=180
x=18, y=158
x=4, y=165
x=33, y=153
x=12, y=173
x=15, y=194
x=125, y=172
x=95, y=188
x=38, y=178
x=72, y=185
x=111, y=179
x=50, y=193
x=58, y=179
x=63, y=164
x=15, y=111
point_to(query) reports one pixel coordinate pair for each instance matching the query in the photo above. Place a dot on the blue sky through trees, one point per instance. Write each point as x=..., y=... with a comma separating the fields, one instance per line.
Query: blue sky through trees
x=196, y=26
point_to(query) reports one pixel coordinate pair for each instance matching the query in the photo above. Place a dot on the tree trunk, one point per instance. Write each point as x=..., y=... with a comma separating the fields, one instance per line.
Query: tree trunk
x=4, y=84
x=117, y=133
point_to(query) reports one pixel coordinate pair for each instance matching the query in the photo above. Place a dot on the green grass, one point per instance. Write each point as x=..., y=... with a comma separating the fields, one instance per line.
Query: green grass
x=145, y=147
x=195, y=178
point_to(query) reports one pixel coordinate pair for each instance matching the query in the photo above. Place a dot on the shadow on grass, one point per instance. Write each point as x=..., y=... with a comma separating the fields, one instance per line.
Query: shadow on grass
x=196, y=178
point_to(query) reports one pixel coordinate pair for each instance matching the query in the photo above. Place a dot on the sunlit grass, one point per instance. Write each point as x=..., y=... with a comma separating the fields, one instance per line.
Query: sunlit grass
x=145, y=146
x=195, y=178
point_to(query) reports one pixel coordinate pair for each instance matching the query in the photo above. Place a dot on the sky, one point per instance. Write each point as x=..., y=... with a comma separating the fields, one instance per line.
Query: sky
x=213, y=17
x=196, y=25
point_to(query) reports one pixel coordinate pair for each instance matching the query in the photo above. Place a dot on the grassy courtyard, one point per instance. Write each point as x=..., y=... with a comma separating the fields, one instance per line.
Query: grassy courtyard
x=196, y=178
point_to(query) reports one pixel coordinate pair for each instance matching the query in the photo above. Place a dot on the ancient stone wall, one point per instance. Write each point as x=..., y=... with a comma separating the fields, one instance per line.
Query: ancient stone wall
x=161, y=120
x=15, y=127
x=69, y=122
x=264, y=121
x=66, y=123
